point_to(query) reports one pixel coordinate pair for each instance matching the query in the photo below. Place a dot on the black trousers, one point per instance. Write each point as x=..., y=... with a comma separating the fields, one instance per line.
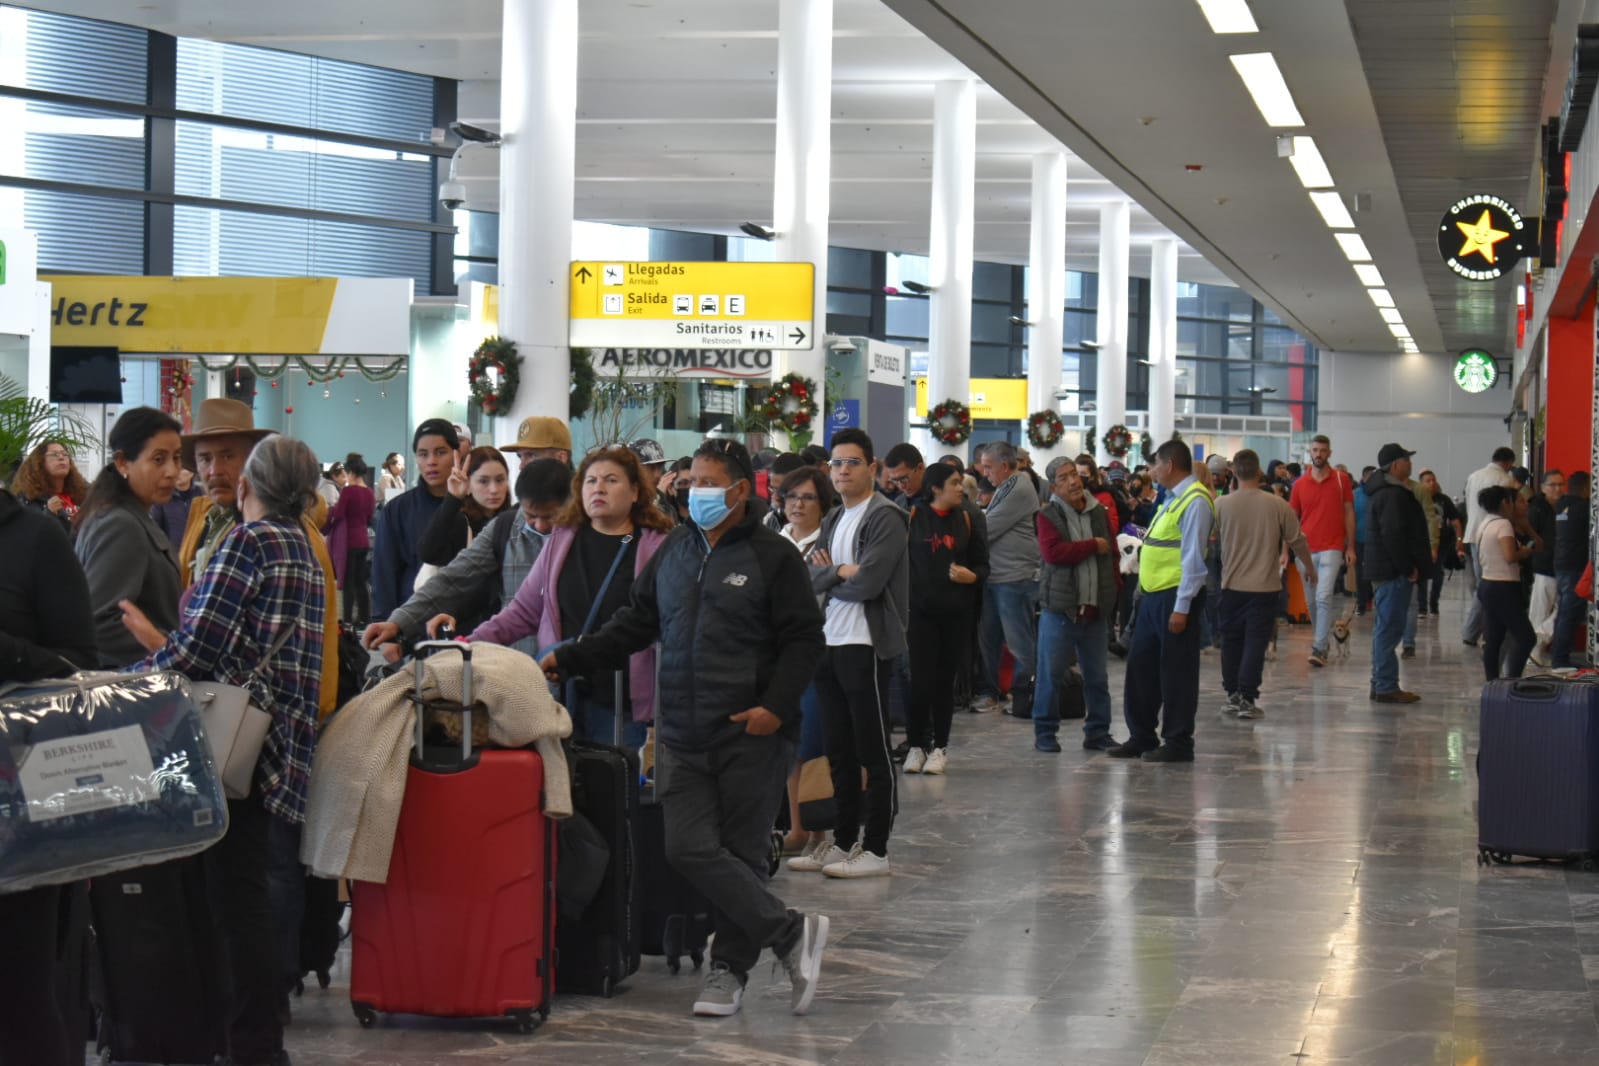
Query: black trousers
x=940, y=644
x=33, y=1026
x=1363, y=590
x=1248, y=622
x=852, y=683
x=1162, y=688
x=358, y=585
x=1507, y=636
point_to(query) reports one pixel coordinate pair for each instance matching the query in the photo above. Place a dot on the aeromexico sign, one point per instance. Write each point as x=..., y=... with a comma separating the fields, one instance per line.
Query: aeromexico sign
x=1481, y=237
x=685, y=362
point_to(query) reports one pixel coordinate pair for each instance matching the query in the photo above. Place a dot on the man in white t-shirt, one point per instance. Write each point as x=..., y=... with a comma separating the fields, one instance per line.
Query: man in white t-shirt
x=862, y=570
x=1495, y=473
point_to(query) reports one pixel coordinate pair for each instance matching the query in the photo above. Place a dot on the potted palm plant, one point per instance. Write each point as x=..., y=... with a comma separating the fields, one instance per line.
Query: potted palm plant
x=27, y=421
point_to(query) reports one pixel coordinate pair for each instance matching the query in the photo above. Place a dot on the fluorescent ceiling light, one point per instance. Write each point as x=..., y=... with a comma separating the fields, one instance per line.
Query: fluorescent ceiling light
x=1309, y=165
x=1400, y=330
x=1333, y=211
x=1381, y=297
x=1368, y=274
x=1228, y=16
x=1265, y=83
x=1391, y=314
x=1354, y=248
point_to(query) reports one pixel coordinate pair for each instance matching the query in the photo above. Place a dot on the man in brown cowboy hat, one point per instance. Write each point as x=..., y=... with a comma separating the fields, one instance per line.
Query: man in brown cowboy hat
x=224, y=432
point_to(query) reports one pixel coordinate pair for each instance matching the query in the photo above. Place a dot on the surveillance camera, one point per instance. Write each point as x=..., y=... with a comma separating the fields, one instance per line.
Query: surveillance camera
x=842, y=346
x=452, y=194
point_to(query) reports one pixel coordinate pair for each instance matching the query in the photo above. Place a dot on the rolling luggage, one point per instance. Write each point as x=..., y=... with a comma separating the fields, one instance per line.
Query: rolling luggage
x=157, y=974
x=321, y=931
x=676, y=917
x=465, y=924
x=600, y=949
x=1538, y=771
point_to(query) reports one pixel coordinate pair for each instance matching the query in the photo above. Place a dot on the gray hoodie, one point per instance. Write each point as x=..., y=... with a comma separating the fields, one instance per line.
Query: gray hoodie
x=883, y=581
x=1012, y=536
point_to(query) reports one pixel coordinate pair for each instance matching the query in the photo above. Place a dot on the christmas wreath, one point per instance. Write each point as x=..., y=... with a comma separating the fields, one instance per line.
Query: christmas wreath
x=1045, y=429
x=951, y=422
x=1118, y=440
x=583, y=379
x=493, y=374
x=791, y=405
x=1146, y=445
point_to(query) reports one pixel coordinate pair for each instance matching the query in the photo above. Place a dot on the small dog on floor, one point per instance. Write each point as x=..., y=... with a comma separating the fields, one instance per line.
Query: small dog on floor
x=1340, y=633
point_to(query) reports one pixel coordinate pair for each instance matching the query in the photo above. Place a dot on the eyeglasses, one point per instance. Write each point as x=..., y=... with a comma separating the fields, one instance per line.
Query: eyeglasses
x=845, y=462
x=901, y=479
x=801, y=497
x=58, y=454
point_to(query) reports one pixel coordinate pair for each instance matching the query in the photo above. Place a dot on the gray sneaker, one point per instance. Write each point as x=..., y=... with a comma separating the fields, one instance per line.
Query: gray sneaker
x=803, y=963
x=1234, y=703
x=721, y=993
x=1248, y=708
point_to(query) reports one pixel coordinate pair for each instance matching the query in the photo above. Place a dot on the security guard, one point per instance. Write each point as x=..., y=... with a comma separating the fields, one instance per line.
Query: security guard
x=1163, y=661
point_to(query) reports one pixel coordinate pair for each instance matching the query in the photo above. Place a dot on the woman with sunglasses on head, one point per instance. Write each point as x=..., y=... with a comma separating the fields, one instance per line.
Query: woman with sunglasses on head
x=603, y=539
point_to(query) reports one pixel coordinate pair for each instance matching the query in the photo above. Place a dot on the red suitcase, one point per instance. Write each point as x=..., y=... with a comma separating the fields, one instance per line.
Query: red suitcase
x=465, y=925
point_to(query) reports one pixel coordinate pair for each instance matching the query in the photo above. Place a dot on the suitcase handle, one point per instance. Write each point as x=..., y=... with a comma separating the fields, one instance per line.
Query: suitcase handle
x=422, y=650
x=1535, y=689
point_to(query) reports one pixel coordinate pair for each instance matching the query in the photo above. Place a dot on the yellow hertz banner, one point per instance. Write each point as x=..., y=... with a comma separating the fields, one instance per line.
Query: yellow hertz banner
x=990, y=397
x=256, y=316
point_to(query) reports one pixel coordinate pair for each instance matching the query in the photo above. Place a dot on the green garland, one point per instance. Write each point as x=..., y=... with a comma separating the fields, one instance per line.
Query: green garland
x=335, y=368
x=583, y=381
x=495, y=353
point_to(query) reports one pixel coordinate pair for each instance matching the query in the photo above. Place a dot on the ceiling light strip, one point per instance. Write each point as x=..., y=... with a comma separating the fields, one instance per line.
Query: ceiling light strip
x=1309, y=165
x=1266, y=85
x=1228, y=16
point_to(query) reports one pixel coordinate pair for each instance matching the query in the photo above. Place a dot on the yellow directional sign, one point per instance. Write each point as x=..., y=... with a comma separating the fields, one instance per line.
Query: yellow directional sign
x=692, y=305
x=990, y=397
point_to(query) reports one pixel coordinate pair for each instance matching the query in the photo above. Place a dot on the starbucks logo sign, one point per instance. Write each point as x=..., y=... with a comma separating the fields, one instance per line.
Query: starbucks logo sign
x=1476, y=371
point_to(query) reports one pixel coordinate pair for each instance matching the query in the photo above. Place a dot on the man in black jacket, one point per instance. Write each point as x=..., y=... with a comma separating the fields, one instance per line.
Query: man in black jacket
x=1398, y=555
x=740, y=638
x=1571, y=557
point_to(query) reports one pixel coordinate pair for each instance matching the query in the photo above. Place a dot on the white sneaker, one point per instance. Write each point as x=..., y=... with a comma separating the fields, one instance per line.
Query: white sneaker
x=859, y=863
x=936, y=762
x=819, y=854
x=984, y=704
x=915, y=760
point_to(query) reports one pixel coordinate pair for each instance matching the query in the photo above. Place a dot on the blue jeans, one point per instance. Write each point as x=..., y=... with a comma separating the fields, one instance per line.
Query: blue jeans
x=1568, y=616
x=1471, y=628
x=1412, y=612
x=1058, y=635
x=1209, y=619
x=1319, y=599
x=1007, y=619
x=1391, y=598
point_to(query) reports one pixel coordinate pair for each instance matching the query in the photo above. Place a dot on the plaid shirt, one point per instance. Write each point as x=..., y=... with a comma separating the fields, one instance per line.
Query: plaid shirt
x=261, y=577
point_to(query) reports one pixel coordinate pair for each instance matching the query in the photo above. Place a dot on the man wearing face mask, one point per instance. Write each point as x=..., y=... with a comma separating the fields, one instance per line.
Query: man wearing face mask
x=497, y=560
x=740, y=635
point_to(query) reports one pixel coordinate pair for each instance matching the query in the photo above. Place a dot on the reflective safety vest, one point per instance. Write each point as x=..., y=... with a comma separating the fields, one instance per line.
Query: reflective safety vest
x=1160, y=564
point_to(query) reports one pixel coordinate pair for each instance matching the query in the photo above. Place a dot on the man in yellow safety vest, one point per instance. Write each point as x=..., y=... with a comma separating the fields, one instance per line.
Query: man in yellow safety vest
x=1163, y=660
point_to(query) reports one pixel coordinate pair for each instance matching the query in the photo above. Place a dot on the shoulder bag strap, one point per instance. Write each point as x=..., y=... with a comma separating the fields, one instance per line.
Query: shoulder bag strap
x=599, y=596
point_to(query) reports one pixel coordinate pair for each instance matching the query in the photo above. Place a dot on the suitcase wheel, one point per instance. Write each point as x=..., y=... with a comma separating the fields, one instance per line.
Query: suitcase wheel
x=1489, y=857
x=324, y=978
x=365, y=1015
x=698, y=956
x=525, y=1021
x=605, y=987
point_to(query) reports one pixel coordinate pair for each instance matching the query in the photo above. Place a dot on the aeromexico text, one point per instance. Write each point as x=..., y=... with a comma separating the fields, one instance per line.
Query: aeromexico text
x=735, y=362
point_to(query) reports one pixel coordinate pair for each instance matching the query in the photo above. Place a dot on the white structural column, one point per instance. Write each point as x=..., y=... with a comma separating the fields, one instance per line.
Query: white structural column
x=538, y=116
x=1110, y=398
x=949, y=320
x=801, y=189
x=1162, y=338
x=1046, y=293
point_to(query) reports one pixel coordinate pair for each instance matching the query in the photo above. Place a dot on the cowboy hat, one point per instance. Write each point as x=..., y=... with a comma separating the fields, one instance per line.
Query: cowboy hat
x=222, y=418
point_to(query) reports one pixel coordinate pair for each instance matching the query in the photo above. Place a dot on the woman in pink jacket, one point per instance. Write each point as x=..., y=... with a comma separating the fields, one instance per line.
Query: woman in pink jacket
x=603, y=539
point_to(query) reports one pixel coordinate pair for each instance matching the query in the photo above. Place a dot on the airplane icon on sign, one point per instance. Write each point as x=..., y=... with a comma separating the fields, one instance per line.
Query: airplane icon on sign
x=613, y=274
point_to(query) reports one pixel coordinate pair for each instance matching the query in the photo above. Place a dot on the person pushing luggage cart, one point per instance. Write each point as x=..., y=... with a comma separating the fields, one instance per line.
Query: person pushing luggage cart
x=740, y=637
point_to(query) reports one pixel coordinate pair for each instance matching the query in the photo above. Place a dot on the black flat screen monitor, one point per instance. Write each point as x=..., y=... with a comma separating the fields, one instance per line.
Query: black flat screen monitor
x=85, y=375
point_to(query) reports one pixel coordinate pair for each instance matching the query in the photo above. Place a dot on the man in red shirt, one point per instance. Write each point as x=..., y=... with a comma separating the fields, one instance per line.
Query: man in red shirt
x=1324, y=500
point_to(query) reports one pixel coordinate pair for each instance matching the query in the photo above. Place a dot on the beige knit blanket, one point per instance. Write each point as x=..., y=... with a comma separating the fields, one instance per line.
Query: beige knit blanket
x=358, y=775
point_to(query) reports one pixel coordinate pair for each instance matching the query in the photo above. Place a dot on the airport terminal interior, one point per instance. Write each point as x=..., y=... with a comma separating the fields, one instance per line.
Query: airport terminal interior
x=1107, y=233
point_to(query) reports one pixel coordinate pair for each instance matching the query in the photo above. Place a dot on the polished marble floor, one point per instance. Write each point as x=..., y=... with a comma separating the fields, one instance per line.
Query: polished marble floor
x=1305, y=892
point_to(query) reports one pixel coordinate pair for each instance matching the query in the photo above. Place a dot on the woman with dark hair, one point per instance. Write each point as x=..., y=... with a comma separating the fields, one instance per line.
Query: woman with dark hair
x=806, y=497
x=125, y=556
x=46, y=630
x=603, y=539
x=254, y=620
x=1504, y=608
x=392, y=480
x=49, y=480
x=479, y=488
x=350, y=540
x=948, y=560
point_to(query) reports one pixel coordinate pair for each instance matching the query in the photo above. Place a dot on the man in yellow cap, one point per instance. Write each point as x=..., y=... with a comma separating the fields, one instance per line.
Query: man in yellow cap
x=224, y=432
x=541, y=437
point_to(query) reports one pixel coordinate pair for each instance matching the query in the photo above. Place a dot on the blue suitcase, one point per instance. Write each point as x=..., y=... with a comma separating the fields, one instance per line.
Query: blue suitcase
x=1538, y=771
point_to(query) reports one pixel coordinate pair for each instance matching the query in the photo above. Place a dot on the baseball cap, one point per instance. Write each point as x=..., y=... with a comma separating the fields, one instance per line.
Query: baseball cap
x=542, y=431
x=1389, y=452
x=436, y=427
x=1217, y=463
x=648, y=450
x=1116, y=470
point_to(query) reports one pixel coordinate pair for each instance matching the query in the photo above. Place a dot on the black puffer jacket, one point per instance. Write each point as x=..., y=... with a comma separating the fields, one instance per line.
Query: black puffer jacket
x=1396, y=531
x=46, y=628
x=738, y=627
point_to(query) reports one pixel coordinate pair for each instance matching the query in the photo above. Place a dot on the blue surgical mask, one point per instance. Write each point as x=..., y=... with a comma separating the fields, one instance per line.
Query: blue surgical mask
x=708, y=506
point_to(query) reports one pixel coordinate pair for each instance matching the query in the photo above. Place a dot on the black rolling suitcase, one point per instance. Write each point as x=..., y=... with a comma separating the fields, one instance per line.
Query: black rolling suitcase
x=676, y=917
x=600, y=950
x=1538, y=771
x=158, y=976
x=321, y=931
